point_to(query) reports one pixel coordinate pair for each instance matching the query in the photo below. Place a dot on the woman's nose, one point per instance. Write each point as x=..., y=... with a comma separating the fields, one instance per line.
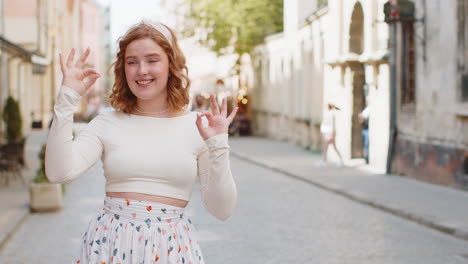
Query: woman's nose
x=142, y=69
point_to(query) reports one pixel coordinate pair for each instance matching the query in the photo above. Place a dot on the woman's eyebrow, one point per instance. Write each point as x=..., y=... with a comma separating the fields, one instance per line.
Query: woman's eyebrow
x=153, y=54
x=147, y=55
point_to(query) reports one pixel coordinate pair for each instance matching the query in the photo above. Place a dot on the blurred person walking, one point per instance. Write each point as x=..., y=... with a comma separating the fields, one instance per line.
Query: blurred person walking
x=328, y=131
x=152, y=149
x=199, y=104
x=364, y=119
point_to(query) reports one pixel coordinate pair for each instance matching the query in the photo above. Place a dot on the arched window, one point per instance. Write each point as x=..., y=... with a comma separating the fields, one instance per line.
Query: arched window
x=356, y=30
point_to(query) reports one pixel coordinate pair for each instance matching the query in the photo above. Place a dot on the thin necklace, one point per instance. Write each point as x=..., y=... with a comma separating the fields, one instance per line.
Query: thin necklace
x=152, y=113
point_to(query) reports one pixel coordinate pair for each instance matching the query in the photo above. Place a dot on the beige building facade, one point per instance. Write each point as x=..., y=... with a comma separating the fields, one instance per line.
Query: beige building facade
x=36, y=32
x=24, y=64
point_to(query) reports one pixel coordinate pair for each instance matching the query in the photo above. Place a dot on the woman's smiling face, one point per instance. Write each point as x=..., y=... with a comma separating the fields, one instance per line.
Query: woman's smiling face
x=146, y=69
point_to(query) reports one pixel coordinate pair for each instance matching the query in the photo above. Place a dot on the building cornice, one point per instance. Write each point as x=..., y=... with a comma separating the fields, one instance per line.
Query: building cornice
x=375, y=58
x=316, y=15
x=39, y=62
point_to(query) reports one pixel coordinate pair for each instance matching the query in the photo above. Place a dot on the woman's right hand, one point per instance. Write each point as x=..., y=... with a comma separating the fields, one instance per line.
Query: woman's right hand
x=78, y=79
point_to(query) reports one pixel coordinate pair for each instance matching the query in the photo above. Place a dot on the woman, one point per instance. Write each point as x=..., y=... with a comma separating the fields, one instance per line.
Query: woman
x=328, y=131
x=152, y=151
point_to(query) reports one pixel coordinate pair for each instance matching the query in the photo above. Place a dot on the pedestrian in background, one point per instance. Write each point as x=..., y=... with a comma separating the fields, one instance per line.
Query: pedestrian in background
x=364, y=119
x=328, y=131
x=152, y=149
x=199, y=104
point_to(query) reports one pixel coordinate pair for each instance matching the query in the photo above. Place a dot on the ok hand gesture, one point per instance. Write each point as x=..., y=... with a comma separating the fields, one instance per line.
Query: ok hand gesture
x=74, y=76
x=218, y=121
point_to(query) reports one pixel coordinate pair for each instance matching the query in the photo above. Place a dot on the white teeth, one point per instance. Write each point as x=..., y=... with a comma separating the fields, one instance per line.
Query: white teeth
x=144, y=82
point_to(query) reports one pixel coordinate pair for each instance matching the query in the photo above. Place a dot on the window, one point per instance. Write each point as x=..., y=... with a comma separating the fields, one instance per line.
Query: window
x=356, y=30
x=463, y=48
x=70, y=5
x=408, y=67
x=282, y=66
x=267, y=72
x=260, y=73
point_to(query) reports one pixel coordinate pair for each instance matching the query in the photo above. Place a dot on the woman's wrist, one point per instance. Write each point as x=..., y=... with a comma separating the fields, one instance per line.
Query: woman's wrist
x=73, y=86
x=219, y=139
x=214, y=135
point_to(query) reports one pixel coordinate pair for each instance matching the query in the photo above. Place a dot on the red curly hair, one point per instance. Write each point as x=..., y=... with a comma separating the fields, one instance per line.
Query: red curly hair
x=178, y=83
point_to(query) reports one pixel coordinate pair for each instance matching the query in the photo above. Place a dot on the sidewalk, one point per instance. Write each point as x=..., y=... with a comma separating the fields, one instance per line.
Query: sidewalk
x=438, y=207
x=14, y=199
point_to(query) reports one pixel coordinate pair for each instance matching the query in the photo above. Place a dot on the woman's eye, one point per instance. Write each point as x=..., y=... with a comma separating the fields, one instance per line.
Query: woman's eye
x=153, y=61
x=131, y=62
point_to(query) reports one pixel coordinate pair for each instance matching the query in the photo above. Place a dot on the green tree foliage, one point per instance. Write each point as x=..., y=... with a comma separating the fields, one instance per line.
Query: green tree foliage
x=41, y=176
x=40, y=173
x=13, y=121
x=241, y=24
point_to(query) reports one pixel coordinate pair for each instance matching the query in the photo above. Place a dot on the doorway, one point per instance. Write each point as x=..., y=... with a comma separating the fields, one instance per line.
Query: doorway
x=356, y=47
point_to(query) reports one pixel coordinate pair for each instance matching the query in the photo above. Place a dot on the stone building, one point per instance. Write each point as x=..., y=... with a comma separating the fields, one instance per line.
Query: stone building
x=330, y=51
x=430, y=78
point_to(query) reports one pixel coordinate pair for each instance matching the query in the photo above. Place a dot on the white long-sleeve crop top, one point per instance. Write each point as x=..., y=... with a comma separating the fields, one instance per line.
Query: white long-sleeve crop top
x=149, y=155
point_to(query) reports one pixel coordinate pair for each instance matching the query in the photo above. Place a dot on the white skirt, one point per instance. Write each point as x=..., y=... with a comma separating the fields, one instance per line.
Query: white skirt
x=137, y=232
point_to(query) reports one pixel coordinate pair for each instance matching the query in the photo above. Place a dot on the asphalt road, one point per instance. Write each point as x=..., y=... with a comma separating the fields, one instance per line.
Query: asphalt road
x=278, y=219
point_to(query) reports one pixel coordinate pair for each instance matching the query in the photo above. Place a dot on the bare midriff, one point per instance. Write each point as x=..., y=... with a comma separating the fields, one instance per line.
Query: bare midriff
x=148, y=198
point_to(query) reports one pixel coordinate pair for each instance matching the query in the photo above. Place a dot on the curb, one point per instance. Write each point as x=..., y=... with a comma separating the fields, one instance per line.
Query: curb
x=360, y=198
x=10, y=231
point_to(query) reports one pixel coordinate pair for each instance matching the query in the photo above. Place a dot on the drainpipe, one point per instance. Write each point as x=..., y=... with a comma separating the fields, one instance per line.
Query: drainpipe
x=393, y=95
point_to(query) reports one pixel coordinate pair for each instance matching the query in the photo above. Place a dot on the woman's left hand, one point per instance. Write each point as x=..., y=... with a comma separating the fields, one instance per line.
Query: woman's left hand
x=218, y=120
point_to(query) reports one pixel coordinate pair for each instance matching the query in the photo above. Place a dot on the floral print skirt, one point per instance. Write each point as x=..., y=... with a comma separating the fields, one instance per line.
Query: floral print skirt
x=137, y=232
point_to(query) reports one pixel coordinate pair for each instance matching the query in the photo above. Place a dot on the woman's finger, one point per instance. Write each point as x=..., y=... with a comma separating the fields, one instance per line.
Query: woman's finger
x=90, y=80
x=199, y=122
x=214, y=105
x=208, y=115
x=232, y=115
x=83, y=58
x=70, y=57
x=224, y=107
x=62, y=64
x=90, y=71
